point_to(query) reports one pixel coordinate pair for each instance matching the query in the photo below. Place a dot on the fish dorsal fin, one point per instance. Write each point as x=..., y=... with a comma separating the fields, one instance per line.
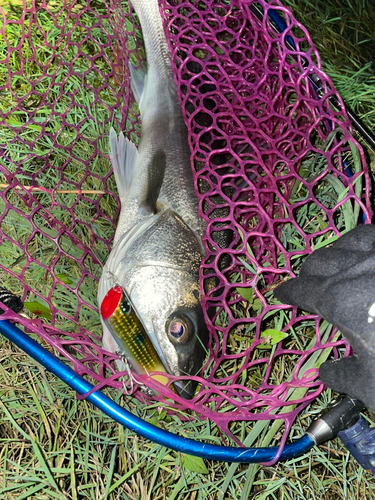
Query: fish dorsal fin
x=155, y=176
x=123, y=154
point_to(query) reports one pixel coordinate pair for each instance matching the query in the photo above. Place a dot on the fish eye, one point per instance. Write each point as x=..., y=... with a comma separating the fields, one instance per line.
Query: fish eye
x=179, y=329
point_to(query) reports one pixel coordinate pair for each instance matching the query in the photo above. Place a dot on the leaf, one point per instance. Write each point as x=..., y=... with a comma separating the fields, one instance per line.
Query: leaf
x=194, y=464
x=246, y=293
x=273, y=337
x=276, y=335
x=64, y=278
x=38, y=309
x=257, y=305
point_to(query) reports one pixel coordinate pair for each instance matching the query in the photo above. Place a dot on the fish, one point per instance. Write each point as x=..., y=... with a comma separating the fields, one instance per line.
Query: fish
x=153, y=267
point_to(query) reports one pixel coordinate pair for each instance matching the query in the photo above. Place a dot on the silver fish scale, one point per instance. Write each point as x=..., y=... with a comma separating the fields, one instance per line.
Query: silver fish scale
x=158, y=267
x=163, y=126
x=166, y=131
x=168, y=242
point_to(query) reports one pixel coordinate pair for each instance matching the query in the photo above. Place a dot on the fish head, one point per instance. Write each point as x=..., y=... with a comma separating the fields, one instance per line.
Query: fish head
x=159, y=270
x=167, y=301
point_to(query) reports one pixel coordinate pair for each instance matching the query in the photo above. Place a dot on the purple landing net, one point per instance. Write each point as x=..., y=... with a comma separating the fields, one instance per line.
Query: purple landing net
x=271, y=162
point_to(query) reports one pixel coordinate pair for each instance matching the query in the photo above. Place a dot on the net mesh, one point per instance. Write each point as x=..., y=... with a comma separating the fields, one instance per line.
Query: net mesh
x=276, y=169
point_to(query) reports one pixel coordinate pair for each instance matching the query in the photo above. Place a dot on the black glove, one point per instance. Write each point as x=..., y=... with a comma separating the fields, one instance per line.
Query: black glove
x=338, y=284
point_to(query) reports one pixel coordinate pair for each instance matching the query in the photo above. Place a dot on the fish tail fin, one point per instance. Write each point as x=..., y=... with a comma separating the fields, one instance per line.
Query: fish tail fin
x=123, y=154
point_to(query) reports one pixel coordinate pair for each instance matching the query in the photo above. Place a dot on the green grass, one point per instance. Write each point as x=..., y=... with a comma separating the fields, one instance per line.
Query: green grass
x=54, y=446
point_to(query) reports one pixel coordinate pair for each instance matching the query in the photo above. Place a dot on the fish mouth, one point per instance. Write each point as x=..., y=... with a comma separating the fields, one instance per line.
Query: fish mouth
x=190, y=364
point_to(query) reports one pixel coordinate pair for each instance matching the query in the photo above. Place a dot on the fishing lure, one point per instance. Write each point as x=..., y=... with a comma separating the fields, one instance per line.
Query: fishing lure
x=122, y=320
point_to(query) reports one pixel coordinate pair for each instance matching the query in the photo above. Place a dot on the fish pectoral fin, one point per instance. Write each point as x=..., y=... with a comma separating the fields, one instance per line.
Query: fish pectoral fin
x=155, y=176
x=137, y=81
x=123, y=154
